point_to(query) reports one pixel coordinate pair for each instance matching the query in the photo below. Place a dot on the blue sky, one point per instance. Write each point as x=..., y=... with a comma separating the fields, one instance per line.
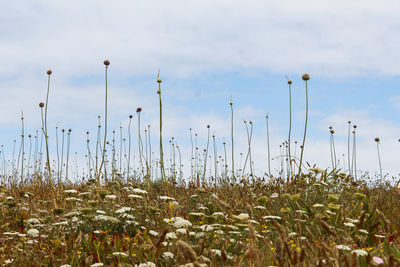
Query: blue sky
x=208, y=51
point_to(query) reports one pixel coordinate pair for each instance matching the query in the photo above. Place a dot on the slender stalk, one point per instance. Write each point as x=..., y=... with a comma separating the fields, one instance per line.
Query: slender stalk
x=106, y=63
x=140, y=143
x=225, y=162
x=120, y=149
x=206, y=153
x=58, y=158
x=162, y=170
x=354, y=152
x=215, y=160
x=233, y=157
x=348, y=147
x=305, y=77
x=62, y=152
x=191, y=155
x=29, y=155
x=129, y=145
x=150, y=162
x=45, y=127
x=377, y=140
x=68, y=147
x=268, y=148
x=290, y=127
x=88, y=148
x=22, y=147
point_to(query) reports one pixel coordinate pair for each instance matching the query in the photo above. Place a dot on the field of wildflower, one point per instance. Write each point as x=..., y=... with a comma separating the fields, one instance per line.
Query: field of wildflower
x=324, y=219
x=114, y=216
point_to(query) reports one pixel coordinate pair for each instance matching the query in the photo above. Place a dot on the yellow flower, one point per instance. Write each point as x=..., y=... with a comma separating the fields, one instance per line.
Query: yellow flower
x=133, y=254
x=79, y=252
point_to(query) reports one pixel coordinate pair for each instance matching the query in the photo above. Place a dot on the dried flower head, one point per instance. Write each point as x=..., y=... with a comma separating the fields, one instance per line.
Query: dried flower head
x=377, y=139
x=49, y=72
x=305, y=77
x=332, y=131
x=130, y=116
x=289, y=82
x=41, y=104
x=139, y=110
x=106, y=62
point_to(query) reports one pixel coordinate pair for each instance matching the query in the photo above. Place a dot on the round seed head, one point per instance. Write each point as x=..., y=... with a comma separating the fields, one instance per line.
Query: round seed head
x=305, y=77
x=332, y=131
x=49, y=72
x=69, y=130
x=106, y=62
x=377, y=139
x=330, y=127
x=159, y=80
x=130, y=116
x=41, y=104
x=355, y=126
x=289, y=81
x=349, y=122
x=139, y=110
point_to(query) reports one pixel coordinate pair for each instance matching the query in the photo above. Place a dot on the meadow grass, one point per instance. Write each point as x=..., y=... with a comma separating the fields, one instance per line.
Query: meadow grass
x=118, y=216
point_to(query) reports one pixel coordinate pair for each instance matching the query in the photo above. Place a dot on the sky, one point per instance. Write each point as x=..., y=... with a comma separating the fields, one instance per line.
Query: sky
x=207, y=52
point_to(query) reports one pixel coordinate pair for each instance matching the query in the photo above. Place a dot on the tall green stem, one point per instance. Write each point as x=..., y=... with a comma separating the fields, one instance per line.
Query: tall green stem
x=106, y=63
x=306, y=77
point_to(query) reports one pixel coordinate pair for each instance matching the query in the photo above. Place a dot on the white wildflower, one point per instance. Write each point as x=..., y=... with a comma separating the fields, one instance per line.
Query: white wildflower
x=207, y=228
x=343, y=247
x=100, y=212
x=216, y=252
x=218, y=214
x=167, y=255
x=123, y=210
x=241, y=216
x=139, y=191
x=72, y=214
x=360, y=252
x=153, y=233
x=170, y=235
x=147, y=264
x=272, y=217
x=274, y=195
x=71, y=192
x=349, y=224
x=33, y=232
x=65, y=265
x=111, y=197
x=33, y=221
x=214, y=196
x=363, y=231
x=99, y=264
x=181, y=231
x=259, y=208
x=106, y=218
x=120, y=254
x=166, y=198
x=60, y=223
x=318, y=205
x=380, y=236
x=352, y=220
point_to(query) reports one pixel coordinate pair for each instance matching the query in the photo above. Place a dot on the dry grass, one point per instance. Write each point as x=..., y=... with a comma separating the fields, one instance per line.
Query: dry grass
x=318, y=220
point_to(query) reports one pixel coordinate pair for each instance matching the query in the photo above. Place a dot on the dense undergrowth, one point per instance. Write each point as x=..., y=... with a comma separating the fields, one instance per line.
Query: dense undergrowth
x=319, y=219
